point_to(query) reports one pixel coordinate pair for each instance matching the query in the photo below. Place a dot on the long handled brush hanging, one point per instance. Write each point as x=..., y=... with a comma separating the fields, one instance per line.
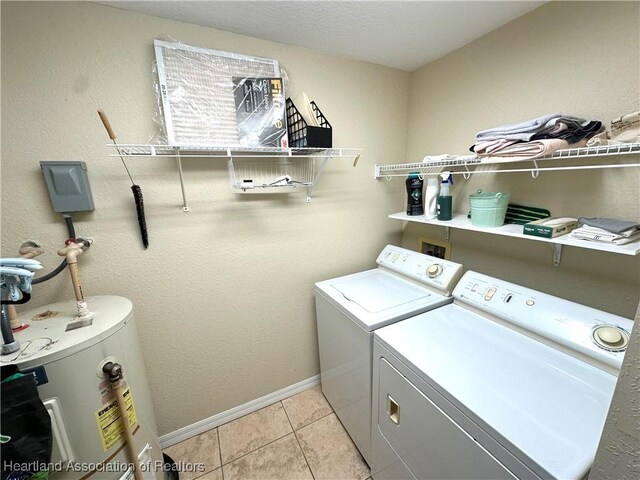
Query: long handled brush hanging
x=137, y=191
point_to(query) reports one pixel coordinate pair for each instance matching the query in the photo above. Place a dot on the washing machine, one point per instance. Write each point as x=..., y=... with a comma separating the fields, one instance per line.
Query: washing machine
x=505, y=382
x=88, y=437
x=350, y=308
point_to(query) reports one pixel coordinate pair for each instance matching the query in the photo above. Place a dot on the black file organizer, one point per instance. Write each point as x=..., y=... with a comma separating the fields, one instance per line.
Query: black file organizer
x=302, y=135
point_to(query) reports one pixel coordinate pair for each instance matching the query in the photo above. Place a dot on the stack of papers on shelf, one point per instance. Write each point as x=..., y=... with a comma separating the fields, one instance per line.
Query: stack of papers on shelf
x=303, y=104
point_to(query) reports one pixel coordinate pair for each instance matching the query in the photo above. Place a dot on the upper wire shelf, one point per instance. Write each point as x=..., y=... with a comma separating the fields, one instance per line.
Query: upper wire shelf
x=206, y=151
x=301, y=167
x=435, y=167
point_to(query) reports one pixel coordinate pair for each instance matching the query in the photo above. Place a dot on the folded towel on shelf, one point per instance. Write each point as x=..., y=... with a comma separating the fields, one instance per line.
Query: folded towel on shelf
x=595, y=234
x=517, y=131
x=528, y=150
x=548, y=124
x=521, y=214
x=492, y=145
x=612, y=225
x=570, y=130
x=601, y=138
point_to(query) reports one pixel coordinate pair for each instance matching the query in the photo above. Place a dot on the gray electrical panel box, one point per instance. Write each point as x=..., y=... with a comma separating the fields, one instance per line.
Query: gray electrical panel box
x=68, y=186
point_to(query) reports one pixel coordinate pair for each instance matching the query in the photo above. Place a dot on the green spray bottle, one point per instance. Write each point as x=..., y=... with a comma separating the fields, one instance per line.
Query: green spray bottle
x=444, y=202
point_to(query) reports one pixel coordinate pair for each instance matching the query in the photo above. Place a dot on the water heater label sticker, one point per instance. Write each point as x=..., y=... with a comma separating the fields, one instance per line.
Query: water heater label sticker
x=108, y=420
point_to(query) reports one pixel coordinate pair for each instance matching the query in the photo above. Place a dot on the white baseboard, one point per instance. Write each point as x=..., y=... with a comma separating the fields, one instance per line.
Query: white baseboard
x=236, y=412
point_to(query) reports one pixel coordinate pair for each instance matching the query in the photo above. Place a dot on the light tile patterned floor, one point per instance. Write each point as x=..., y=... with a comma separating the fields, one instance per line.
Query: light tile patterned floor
x=299, y=438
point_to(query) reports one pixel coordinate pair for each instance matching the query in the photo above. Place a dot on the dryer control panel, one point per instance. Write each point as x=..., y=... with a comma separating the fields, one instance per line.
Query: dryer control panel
x=584, y=330
x=436, y=273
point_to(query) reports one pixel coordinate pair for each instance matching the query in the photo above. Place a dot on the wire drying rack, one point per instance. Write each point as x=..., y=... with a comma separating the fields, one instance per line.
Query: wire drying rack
x=276, y=176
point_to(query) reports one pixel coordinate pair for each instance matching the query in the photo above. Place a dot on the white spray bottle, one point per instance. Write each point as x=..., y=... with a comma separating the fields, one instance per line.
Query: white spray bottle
x=431, y=198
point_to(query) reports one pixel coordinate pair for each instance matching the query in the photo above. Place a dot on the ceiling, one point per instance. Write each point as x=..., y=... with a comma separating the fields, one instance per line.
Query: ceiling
x=399, y=34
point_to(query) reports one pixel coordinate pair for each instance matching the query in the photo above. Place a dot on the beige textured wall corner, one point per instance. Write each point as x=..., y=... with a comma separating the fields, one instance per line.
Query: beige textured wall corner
x=224, y=294
x=618, y=454
x=580, y=58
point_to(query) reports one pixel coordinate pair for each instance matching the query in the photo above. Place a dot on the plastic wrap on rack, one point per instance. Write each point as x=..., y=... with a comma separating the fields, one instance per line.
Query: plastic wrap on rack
x=211, y=97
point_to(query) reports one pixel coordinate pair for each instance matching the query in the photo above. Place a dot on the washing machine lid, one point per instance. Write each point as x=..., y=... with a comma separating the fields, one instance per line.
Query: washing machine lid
x=545, y=406
x=375, y=298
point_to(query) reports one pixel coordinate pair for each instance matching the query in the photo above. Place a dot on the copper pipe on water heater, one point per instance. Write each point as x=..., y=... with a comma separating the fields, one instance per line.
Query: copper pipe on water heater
x=116, y=379
x=27, y=250
x=71, y=251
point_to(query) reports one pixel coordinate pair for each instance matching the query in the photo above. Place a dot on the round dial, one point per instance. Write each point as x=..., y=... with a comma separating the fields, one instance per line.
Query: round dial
x=434, y=270
x=610, y=337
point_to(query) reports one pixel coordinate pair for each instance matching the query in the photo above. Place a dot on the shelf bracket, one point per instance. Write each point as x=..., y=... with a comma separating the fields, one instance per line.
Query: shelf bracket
x=446, y=233
x=323, y=162
x=557, y=253
x=466, y=175
x=185, y=205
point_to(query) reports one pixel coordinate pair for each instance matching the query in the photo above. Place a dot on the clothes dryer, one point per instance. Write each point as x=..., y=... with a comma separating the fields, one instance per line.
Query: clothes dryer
x=505, y=382
x=350, y=308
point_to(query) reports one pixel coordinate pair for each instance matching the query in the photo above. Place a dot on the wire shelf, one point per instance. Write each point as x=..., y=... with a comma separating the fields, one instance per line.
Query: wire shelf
x=208, y=151
x=252, y=169
x=278, y=176
x=436, y=167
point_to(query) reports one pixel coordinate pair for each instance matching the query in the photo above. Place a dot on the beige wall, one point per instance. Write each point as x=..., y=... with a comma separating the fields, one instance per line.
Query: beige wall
x=579, y=58
x=618, y=451
x=224, y=294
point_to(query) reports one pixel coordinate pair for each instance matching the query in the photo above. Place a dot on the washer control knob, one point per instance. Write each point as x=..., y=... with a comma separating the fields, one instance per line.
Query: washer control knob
x=610, y=338
x=434, y=270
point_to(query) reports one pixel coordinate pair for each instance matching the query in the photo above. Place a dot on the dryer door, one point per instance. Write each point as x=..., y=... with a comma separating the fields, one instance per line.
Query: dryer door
x=427, y=440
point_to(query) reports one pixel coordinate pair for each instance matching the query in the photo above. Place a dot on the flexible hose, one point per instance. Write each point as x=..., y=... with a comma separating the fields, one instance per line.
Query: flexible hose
x=26, y=296
x=5, y=326
x=52, y=274
x=116, y=380
x=69, y=221
x=72, y=234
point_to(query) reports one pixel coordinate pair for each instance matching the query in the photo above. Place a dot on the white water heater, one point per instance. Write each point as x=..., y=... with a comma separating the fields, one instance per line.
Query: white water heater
x=88, y=438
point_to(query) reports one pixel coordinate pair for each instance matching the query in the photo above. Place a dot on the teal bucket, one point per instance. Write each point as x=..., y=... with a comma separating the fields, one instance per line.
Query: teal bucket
x=488, y=209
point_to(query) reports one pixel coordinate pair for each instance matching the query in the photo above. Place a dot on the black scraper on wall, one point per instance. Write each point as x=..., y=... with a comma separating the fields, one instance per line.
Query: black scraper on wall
x=137, y=191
